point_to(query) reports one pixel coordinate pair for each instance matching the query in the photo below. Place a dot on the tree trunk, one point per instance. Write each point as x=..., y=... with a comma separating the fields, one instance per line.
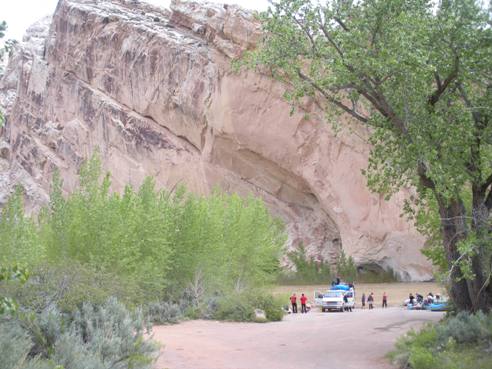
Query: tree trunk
x=470, y=295
x=453, y=228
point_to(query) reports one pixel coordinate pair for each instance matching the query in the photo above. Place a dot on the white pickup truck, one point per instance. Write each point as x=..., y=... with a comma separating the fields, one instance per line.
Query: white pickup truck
x=337, y=300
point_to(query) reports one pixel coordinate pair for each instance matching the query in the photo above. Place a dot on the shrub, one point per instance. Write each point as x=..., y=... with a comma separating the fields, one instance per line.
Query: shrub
x=105, y=336
x=271, y=305
x=15, y=345
x=237, y=307
x=162, y=312
x=112, y=335
x=306, y=269
x=458, y=342
x=466, y=328
x=241, y=306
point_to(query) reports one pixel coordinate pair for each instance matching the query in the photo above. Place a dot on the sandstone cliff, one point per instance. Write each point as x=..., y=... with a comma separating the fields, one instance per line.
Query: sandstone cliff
x=153, y=90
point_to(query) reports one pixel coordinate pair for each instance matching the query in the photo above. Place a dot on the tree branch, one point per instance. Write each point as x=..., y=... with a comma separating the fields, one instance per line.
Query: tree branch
x=487, y=183
x=341, y=23
x=424, y=179
x=331, y=99
x=441, y=87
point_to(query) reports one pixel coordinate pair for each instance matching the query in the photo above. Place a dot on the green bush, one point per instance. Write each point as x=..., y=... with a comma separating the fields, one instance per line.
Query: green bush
x=142, y=245
x=458, y=342
x=237, y=308
x=240, y=307
x=97, y=337
x=306, y=269
x=271, y=305
x=15, y=345
x=163, y=312
x=466, y=328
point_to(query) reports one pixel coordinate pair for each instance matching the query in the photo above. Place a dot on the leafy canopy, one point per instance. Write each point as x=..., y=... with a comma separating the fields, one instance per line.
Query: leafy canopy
x=419, y=74
x=154, y=243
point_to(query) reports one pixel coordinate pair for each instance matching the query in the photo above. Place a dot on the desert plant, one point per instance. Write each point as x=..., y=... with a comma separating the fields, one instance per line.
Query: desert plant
x=466, y=328
x=457, y=342
x=106, y=336
x=164, y=312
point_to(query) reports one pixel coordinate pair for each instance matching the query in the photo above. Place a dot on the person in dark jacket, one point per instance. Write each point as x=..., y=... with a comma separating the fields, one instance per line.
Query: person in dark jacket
x=363, y=300
x=370, y=301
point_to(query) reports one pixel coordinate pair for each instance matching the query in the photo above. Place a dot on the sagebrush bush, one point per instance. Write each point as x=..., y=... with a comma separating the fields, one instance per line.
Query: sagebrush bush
x=466, y=328
x=163, y=312
x=106, y=336
x=15, y=345
x=458, y=342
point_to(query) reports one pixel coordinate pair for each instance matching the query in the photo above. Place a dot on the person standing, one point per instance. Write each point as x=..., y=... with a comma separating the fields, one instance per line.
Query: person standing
x=293, y=301
x=385, y=300
x=370, y=301
x=363, y=300
x=303, y=304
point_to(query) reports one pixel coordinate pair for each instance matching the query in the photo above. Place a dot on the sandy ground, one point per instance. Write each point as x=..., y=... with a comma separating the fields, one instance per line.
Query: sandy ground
x=357, y=340
x=397, y=292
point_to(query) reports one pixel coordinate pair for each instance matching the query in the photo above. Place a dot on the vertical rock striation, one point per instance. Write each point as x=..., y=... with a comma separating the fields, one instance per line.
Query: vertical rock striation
x=153, y=91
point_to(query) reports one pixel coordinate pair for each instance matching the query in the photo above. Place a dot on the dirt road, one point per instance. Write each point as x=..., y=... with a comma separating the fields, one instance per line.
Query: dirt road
x=310, y=341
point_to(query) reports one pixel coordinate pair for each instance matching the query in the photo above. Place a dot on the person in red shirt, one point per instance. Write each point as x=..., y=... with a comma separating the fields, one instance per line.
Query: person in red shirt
x=303, y=304
x=293, y=301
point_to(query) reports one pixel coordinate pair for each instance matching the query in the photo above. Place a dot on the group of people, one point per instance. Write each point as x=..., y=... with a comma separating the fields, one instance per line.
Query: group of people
x=293, y=302
x=418, y=299
x=370, y=300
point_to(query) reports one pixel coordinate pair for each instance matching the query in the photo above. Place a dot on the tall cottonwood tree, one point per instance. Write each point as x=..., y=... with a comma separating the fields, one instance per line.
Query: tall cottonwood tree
x=419, y=73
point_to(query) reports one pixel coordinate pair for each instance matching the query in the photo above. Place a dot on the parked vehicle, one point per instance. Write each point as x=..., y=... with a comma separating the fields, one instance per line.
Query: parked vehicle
x=336, y=299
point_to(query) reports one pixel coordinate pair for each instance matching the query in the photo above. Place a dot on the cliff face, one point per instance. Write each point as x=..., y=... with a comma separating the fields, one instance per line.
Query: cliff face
x=153, y=90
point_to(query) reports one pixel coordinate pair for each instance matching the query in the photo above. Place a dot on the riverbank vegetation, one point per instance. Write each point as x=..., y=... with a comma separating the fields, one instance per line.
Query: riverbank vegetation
x=462, y=341
x=305, y=270
x=147, y=255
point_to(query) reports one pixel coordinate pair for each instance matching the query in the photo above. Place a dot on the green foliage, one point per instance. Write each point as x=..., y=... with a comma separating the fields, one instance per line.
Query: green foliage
x=272, y=306
x=240, y=306
x=346, y=269
x=97, y=337
x=458, y=342
x=377, y=276
x=235, y=307
x=19, y=237
x=466, y=328
x=307, y=270
x=7, y=274
x=164, y=312
x=140, y=246
x=418, y=74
